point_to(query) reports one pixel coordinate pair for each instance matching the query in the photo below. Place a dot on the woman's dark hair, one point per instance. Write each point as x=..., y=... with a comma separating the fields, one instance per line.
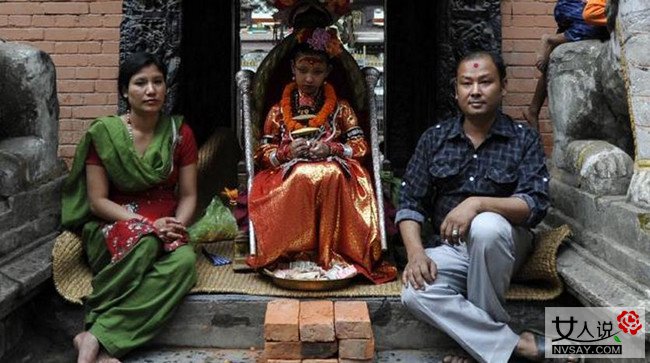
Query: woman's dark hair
x=496, y=59
x=133, y=64
x=305, y=49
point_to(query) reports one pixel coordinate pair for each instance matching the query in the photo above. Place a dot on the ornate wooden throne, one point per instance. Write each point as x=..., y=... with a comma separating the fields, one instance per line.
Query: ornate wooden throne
x=260, y=90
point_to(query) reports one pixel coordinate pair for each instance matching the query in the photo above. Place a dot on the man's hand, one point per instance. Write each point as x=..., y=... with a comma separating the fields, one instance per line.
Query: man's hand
x=455, y=226
x=419, y=270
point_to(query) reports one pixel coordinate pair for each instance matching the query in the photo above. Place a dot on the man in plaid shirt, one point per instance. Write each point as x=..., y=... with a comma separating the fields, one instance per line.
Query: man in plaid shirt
x=482, y=180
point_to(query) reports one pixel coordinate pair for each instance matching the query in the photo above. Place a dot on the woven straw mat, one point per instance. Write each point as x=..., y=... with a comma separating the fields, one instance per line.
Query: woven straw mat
x=537, y=280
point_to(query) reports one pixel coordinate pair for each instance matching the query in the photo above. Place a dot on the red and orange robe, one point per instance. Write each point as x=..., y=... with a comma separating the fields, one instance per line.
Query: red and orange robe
x=322, y=210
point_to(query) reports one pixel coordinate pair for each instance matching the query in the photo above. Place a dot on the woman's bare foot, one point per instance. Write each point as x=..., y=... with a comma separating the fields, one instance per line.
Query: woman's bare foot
x=104, y=357
x=88, y=347
x=544, y=53
x=457, y=359
x=532, y=118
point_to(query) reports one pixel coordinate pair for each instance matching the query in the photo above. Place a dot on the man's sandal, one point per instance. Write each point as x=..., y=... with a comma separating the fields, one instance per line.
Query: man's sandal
x=540, y=348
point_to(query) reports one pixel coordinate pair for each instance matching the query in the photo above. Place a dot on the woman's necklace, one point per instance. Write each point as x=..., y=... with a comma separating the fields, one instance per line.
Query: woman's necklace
x=129, y=127
x=321, y=116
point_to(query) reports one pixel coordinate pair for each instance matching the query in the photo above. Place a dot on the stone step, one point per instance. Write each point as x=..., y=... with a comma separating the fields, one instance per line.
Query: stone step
x=20, y=276
x=236, y=321
x=207, y=328
x=595, y=283
x=232, y=321
x=607, y=227
x=181, y=355
x=631, y=265
x=608, y=216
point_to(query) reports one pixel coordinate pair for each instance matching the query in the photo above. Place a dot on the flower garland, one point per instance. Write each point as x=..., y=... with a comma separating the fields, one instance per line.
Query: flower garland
x=321, y=117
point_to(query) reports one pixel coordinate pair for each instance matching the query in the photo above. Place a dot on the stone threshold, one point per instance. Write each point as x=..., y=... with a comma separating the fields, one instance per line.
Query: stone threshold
x=185, y=355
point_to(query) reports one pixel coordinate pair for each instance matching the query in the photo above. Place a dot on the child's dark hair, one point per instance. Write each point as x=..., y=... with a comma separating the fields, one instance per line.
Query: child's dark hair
x=496, y=59
x=133, y=64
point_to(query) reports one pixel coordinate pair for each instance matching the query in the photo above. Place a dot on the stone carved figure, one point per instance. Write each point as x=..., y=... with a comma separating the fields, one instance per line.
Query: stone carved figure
x=601, y=120
x=29, y=113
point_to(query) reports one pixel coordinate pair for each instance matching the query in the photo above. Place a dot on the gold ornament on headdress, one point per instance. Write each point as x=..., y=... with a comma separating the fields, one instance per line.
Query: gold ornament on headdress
x=321, y=39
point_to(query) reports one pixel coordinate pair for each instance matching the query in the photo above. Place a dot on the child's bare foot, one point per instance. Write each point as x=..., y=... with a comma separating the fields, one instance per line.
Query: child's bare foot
x=544, y=53
x=104, y=357
x=88, y=347
x=531, y=117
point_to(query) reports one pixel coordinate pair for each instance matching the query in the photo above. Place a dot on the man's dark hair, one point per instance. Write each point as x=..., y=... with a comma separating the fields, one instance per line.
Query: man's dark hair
x=133, y=64
x=496, y=59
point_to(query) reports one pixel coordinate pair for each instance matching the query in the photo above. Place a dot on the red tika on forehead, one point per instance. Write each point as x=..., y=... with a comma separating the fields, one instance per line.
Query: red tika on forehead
x=475, y=65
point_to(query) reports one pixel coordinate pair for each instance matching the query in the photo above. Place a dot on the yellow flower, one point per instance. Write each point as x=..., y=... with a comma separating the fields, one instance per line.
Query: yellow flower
x=231, y=194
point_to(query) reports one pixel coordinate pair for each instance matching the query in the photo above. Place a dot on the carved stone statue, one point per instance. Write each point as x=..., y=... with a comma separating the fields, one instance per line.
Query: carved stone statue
x=599, y=100
x=31, y=175
x=593, y=86
x=29, y=113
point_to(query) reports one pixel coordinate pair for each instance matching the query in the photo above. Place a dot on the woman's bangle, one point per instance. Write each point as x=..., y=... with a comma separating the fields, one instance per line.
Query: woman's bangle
x=144, y=219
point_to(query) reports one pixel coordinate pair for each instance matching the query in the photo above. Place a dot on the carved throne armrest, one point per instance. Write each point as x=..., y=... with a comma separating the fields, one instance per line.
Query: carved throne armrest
x=372, y=76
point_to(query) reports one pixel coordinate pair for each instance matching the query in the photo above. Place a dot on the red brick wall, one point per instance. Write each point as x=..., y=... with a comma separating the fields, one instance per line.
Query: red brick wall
x=523, y=24
x=82, y=37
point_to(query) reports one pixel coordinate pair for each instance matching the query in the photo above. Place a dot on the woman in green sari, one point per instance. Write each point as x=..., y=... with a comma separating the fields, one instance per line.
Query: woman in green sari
x=130, y=194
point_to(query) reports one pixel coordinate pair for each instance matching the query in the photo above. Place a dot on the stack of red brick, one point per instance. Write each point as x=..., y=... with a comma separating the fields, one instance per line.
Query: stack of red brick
x=318, y=332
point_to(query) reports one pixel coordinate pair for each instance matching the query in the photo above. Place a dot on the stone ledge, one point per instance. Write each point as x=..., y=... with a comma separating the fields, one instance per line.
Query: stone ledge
x=588, y=279
x=610, y=216
x=29, y=216
x=237, y=322
x=20, y=276
x=607, y=227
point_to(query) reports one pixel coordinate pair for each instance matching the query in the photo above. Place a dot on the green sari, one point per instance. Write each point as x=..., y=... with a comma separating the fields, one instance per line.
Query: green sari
x=127, y=170
x=133, y=297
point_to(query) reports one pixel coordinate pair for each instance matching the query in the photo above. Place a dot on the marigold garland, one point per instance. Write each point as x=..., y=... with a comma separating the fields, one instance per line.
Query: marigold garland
x=321, y=116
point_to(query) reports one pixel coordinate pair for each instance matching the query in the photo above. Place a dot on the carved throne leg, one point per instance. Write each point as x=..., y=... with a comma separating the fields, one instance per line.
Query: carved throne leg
x=241, y=242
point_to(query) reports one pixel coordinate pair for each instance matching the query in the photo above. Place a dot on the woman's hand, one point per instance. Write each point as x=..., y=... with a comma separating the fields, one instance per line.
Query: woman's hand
x=169, y=229
x=299, y=148
x=319, y=150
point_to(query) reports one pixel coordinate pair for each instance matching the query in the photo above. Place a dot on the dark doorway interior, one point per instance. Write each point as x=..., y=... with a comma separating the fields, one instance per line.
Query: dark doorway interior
x=210, y=59
x=410, y=77
x=424, y=40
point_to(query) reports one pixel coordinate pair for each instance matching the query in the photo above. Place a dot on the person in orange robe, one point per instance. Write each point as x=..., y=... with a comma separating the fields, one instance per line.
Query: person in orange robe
x=312, y=199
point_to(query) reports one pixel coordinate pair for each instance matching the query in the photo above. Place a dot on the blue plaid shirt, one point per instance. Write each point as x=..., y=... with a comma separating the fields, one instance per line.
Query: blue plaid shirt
x=446, y=169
